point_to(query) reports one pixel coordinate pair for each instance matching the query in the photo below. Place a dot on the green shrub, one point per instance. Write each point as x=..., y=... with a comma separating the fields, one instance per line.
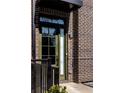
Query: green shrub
x=57, y=89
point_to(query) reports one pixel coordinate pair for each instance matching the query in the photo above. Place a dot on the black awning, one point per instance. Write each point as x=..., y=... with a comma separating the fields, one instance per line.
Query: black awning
x=64, y=5
x=61, y=5
x=74, y=2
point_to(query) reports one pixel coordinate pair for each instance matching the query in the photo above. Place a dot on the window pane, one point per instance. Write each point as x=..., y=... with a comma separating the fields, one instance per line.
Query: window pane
x=50, y=20
x=43, y=19
x=44, y=50
x=52, y=50
x=60, y=22
x=52, y=41
x=44, y=40
x=44, y=31
x=52, y=59
x=52, y=31
x=54, y=21
x=44, y=57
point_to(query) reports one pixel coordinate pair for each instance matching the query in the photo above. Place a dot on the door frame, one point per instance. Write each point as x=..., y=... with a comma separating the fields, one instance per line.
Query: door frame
x=65, y=40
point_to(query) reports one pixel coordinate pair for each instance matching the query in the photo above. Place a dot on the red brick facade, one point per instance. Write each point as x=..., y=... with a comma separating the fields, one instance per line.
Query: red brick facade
x=80, y=47
x=80, y=41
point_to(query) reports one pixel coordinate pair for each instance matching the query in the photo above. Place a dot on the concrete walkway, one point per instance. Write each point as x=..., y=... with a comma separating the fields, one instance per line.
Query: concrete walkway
x=77, y=88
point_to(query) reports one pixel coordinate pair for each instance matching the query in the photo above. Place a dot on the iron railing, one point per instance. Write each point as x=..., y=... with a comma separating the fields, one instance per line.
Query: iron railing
x=43, y=75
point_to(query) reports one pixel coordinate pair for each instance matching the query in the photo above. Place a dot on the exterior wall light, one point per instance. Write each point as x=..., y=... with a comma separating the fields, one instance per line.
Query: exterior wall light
x=70, y=35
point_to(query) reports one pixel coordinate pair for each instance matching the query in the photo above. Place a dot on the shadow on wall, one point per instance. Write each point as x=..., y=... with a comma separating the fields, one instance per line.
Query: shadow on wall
x=75, y=46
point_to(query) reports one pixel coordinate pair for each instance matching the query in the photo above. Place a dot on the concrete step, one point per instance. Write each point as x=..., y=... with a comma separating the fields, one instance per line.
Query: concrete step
x=77, y=88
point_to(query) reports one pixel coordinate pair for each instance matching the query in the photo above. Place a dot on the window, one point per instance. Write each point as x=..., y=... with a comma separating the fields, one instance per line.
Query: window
x=54, y=21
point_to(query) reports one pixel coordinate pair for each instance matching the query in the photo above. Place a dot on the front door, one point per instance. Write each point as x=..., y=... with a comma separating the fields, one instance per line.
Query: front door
x=53, y=43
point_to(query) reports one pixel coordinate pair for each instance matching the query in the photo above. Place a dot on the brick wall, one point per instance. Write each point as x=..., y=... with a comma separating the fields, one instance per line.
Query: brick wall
x=85, y=39
x=80, y=45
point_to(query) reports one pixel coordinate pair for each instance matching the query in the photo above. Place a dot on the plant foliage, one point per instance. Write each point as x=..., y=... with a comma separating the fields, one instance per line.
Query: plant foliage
x=57, y=89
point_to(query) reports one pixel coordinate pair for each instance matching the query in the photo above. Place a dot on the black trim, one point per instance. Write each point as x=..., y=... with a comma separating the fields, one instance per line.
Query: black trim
x=62, y=5
x=39, y=59
x=88, y=85
x=51, y=25
x=74, y=2
x=85, y=83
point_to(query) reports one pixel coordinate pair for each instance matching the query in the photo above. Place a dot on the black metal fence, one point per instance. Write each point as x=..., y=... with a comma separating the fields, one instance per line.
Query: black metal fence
x=43, y=75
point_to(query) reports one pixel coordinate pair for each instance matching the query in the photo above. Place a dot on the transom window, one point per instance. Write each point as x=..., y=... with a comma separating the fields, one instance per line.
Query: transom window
x=50, y=20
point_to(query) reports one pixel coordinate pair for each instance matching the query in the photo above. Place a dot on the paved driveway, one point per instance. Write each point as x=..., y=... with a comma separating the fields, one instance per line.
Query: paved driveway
x=77, y=88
